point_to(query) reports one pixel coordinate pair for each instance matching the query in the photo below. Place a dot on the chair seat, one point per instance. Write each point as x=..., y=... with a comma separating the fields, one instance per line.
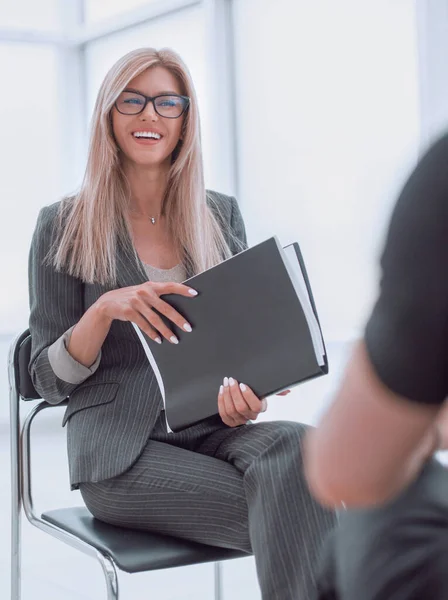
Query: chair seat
x=135, y=551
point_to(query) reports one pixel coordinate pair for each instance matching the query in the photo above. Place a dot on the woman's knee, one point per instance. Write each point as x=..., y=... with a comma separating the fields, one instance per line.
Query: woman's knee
x=285, y=428
x=284, y=439
x=290, y=433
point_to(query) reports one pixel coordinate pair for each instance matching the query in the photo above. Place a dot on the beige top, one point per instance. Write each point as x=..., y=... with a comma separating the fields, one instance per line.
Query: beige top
x=177, y=273
x=66, y=367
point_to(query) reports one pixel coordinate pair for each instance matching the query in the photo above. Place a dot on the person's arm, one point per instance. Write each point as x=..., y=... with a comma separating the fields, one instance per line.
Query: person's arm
x=88, y=335
x=136, y=304
x=66, y=342
x=371, y=443
x=375, y=437
x=56, y=305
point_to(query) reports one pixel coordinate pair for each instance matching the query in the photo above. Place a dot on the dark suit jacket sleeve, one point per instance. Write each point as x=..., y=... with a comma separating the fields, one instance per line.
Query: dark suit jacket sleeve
x=56, y=305
x=407, y=333
x=227, y=212
x=238, y=228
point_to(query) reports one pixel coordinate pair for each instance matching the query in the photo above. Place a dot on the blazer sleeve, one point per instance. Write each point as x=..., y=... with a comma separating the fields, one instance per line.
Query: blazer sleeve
x=239, y=241
x=227, y=212
x=56, y=305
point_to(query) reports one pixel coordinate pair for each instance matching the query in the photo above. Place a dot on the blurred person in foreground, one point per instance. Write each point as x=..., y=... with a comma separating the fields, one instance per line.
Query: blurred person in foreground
x=373, y=450
x=141, y=224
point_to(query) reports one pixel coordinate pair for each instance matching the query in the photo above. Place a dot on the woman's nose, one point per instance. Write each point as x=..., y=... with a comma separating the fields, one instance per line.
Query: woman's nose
x=149, y=112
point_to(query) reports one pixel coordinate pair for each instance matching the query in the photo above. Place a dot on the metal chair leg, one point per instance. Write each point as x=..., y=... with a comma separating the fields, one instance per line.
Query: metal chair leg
x=16, y=486
x=15, y=557
x=110, y=574
x=106, y=562
x=218, y=581
x=15, y=534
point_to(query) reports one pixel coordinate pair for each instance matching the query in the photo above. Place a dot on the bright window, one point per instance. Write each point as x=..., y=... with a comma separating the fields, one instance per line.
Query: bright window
x=328, y=126
x=29, y=154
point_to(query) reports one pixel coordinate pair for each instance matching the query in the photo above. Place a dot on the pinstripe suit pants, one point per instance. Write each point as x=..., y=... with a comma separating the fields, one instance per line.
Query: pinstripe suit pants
x=237, y=488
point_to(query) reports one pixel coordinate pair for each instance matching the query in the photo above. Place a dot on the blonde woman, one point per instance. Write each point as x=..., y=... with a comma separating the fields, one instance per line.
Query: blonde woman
x=141, y=224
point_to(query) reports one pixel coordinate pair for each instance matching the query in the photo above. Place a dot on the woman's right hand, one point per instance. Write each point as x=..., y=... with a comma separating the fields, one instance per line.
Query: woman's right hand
x=137, y=303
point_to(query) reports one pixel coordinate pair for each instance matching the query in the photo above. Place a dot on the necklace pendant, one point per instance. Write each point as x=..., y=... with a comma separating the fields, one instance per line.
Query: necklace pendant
x=153, y=221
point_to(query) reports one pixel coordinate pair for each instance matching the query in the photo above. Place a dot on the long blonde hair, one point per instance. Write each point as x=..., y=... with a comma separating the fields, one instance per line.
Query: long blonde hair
x=94, y=221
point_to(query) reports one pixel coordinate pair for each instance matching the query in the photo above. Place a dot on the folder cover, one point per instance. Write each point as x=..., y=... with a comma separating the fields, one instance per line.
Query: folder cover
x=254, y=319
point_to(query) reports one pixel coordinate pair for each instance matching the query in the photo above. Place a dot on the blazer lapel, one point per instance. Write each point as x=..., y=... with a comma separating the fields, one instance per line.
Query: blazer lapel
x=129, y=271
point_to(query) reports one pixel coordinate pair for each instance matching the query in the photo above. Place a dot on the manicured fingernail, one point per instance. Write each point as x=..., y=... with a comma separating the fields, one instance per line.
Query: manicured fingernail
x=226, y=382
x=231, y=381
x=188, y=328
x=192, y=292
x=243, y=388
x=174, y=339
x=158, y=340
x=264, y=405
x=221, y=390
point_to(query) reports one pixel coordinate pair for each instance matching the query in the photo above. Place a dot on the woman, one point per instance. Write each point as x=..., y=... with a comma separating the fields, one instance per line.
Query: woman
x=140, y=225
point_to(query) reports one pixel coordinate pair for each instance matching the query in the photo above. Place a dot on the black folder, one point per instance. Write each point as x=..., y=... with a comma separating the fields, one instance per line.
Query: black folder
x=254, y=319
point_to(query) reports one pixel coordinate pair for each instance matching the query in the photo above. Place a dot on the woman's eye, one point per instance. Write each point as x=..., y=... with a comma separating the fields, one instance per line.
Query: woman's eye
x=132, y=101
x=168, y=103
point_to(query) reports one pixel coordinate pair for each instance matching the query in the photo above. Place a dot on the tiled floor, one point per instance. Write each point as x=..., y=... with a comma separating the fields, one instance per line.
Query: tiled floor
x=53, y=571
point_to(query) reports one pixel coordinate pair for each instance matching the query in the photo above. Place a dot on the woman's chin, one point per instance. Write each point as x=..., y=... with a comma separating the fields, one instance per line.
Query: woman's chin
x=142, y=160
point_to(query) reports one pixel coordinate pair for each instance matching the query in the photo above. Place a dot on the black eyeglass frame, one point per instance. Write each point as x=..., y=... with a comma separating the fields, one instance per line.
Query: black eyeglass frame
x=153, y=99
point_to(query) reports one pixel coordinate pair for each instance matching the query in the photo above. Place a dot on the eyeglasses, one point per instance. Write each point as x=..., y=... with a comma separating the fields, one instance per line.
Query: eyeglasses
x=170, y=106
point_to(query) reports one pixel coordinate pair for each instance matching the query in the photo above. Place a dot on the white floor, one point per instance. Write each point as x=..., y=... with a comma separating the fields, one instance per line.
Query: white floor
x=53, y=571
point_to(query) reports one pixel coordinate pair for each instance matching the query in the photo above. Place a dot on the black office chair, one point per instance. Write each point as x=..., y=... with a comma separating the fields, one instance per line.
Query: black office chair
x=132, y=551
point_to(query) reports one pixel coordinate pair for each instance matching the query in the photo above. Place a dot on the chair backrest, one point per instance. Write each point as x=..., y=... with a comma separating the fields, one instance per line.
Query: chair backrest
x=21, y=360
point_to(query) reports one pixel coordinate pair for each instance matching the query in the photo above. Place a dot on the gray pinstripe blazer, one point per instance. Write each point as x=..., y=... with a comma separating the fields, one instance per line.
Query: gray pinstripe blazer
x=111, y=414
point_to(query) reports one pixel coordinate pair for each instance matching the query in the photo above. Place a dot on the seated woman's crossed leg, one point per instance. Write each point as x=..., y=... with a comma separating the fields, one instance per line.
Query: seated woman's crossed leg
x=237, y=488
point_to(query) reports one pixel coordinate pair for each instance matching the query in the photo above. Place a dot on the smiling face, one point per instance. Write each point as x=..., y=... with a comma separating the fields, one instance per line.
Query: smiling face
x=148, y=139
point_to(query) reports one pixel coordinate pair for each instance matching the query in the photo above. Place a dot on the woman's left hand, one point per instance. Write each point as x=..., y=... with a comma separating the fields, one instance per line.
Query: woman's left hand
x=237, y=403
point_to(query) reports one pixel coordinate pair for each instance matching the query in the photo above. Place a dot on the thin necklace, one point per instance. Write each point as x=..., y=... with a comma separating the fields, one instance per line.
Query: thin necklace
x=152, y=219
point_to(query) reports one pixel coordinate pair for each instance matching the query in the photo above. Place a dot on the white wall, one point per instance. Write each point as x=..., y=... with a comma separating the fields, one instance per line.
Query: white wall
x=328, y=125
